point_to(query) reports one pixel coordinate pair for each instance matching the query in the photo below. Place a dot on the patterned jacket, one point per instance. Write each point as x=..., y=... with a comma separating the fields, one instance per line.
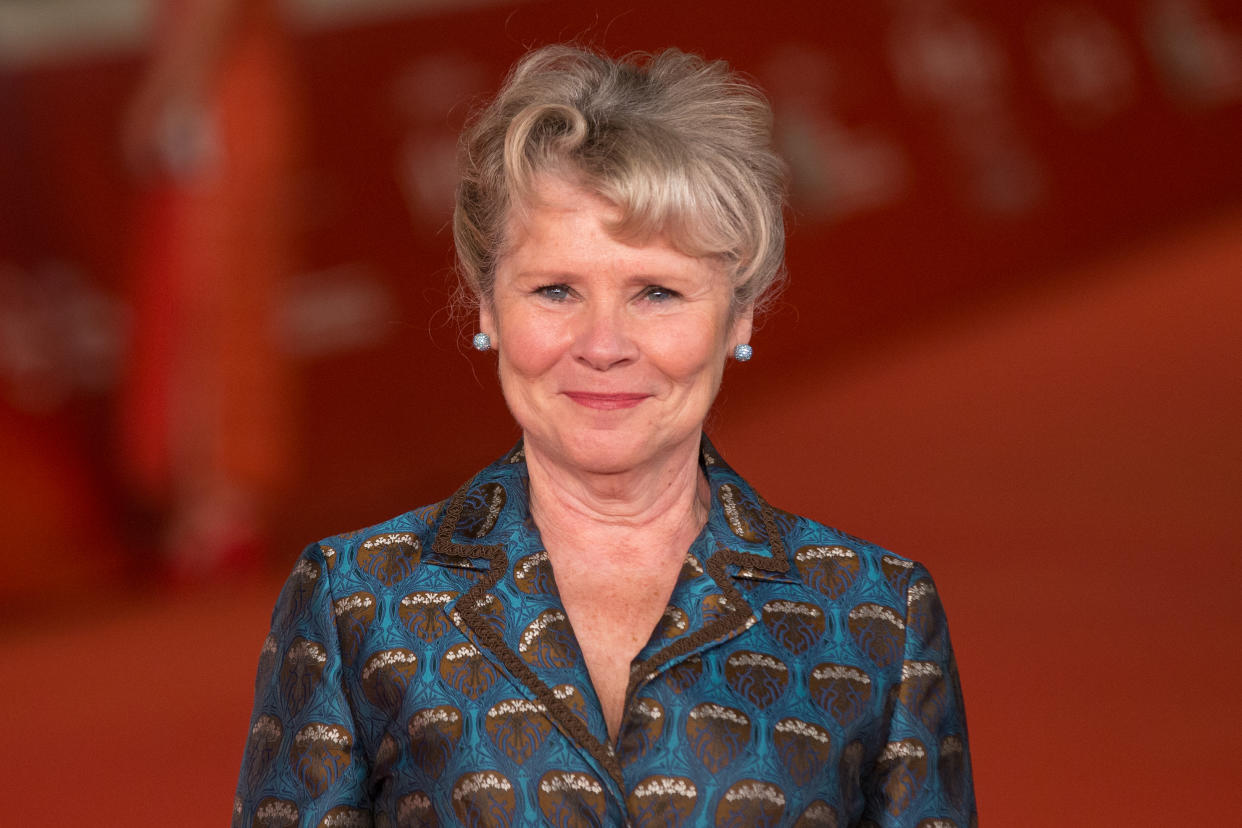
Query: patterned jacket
x=423, y=672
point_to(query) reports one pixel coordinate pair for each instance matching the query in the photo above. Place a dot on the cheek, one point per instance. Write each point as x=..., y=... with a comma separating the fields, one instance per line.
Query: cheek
x=688, y=354
x=529, y=350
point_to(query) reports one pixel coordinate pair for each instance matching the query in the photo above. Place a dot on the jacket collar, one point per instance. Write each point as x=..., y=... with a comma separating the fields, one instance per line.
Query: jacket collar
x=514, y=618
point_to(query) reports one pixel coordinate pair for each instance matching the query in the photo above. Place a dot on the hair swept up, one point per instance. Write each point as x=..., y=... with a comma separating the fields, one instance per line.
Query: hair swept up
x=682, y=145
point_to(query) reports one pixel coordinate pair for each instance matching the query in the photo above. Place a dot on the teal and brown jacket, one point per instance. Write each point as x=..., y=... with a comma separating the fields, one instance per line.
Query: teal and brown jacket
x=423, y=672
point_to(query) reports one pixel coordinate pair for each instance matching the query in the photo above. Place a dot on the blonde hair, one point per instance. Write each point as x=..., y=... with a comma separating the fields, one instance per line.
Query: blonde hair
x=681, y=145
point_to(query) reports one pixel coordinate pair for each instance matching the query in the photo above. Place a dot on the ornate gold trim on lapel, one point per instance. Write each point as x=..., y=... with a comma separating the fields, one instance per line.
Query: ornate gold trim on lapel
x=467, y=608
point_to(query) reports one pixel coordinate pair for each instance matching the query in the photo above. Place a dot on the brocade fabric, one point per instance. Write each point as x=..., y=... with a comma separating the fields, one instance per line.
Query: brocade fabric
x=423, y=672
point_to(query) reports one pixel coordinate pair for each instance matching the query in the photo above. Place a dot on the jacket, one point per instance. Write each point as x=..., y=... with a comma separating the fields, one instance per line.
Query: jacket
x=423, y=672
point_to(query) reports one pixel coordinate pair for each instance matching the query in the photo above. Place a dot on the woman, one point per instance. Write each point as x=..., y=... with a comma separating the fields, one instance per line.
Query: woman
x=608, y=626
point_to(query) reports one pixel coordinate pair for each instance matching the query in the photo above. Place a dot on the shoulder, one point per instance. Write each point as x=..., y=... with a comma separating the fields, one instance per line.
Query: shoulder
x=838, y=565
x=402, y=550
x=871, y=588
x=374, y=557
x=833, y=559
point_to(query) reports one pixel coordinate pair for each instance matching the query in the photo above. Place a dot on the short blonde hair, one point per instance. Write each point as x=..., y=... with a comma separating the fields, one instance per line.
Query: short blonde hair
x=682, y=145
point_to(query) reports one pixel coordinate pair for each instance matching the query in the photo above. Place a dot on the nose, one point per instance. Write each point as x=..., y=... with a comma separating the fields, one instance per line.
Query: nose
x=604, y=338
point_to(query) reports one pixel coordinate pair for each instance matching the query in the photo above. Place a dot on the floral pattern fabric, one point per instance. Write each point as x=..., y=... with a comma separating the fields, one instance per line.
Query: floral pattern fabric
x=423, y=672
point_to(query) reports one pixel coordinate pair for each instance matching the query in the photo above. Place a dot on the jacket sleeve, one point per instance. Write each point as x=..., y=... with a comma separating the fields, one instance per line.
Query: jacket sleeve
x=303, y=760
x=923, y=776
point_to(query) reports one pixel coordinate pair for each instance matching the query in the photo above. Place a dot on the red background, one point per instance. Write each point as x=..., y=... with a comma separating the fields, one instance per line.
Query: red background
x=1040, y=403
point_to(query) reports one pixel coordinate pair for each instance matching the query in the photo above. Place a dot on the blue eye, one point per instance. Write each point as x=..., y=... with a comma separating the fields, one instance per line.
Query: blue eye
x=657, y=293
x=557, y=293
x=660, y=294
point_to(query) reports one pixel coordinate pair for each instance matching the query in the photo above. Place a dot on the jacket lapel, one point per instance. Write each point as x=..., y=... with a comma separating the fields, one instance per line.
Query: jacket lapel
x=512, y=614
x=740, y=544
x=514, y=618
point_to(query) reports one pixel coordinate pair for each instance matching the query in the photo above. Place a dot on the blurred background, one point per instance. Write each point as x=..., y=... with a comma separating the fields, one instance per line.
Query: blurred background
x=1009, y=348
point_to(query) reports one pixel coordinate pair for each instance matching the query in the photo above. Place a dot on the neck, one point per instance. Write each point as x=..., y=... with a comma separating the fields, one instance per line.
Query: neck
x=651, y=512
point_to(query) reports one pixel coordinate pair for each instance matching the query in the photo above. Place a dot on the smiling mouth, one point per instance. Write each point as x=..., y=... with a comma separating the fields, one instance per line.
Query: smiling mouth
x=606, y=402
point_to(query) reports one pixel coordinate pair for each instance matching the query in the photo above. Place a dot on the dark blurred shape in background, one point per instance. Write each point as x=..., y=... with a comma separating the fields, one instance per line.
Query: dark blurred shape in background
x=1016, y=273
x=206, y=424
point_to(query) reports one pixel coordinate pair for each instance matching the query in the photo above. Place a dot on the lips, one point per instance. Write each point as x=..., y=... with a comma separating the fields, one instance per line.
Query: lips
x=605, y=402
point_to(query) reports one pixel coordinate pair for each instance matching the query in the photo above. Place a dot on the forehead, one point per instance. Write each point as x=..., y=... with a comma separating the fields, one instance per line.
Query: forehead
x=563, y=224
x=554, y=201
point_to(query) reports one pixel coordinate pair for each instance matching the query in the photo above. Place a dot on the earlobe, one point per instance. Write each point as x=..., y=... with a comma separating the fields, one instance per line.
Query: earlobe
x=743, y=326
x=487, y=323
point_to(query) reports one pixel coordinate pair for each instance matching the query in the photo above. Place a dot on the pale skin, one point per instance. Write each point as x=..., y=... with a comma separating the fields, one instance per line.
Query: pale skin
x=610, y=354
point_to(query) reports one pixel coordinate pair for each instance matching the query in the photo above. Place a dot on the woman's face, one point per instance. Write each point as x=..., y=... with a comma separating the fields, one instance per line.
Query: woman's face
x=609, y=354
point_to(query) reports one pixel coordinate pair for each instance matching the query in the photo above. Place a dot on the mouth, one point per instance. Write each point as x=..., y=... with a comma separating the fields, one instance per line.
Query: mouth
x=605, y=402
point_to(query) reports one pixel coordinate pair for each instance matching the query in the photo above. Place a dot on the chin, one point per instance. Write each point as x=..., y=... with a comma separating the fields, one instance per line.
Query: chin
x=602, y=457
x=606, y=452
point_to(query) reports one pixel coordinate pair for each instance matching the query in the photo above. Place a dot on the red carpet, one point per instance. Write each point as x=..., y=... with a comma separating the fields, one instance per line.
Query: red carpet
x=134, y=713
